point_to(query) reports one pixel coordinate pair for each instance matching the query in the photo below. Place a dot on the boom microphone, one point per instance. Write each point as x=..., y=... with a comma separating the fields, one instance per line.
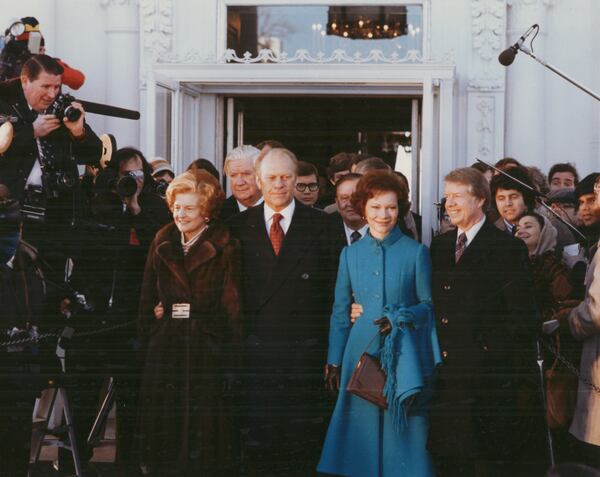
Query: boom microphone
x=106, y=110
x=507, y=57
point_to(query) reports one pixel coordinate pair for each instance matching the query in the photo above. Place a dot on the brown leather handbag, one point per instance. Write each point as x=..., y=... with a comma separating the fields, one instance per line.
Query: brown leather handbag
x=368, y=380
x=561, y=393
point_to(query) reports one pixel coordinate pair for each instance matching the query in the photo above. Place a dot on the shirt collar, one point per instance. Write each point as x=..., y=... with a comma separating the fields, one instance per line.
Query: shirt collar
x=362, y=231
x=391, y=238
x=242, y=207
x=509, y=226
x=287, y=213
x=472, y=232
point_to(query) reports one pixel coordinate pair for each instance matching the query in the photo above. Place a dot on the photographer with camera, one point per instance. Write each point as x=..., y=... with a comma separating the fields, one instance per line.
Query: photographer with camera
x=22, y=302
x=40, y=166
x=126, y=213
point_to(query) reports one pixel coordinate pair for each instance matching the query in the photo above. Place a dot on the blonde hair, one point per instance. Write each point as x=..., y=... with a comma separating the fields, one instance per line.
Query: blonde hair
x=211, y=195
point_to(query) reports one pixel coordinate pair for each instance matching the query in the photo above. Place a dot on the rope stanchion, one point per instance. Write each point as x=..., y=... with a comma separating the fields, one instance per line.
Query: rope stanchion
x=570, y=366
x=83, y=334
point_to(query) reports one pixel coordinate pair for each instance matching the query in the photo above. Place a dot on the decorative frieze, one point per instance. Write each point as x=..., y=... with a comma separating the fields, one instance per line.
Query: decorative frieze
x=157, y=26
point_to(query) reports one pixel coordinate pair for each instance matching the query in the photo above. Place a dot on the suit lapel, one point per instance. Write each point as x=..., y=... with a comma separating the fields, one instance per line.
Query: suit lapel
x=448, y=247
x=295, y=243
x=478, y=249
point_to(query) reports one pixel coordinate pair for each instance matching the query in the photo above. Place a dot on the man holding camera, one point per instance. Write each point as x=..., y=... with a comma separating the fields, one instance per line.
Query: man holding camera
x=40, y=166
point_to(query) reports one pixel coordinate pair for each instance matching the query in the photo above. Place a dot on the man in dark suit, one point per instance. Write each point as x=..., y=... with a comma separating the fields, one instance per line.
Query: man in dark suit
x=486, y=322
x=239, y=167
x=349, y=226
x=288, y=260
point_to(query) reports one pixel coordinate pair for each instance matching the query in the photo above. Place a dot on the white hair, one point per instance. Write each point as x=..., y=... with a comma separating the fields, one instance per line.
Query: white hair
x=239, y=154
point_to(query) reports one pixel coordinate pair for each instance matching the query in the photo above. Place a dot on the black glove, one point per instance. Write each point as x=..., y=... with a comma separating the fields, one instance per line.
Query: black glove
x=332, y=378
x=385, y=327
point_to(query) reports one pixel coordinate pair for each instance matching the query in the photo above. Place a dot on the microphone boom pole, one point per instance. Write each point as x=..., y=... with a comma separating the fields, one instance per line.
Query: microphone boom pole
x=507, y=57
x=528, y=52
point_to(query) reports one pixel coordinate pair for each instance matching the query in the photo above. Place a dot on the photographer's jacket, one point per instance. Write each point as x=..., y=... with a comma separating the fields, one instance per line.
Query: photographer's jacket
x=16, y=163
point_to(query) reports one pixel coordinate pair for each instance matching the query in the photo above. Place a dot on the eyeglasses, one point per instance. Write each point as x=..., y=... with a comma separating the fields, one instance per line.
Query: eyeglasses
x=313, y=186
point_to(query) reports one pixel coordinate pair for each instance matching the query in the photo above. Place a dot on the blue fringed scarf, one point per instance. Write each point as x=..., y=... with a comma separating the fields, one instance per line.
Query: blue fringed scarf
x=409, y=356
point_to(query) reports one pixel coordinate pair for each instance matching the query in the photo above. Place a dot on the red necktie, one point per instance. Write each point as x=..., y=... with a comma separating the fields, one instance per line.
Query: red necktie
x=276, y=233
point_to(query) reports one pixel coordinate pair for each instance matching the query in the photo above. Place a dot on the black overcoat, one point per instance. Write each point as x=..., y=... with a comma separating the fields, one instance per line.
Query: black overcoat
x=486, y=322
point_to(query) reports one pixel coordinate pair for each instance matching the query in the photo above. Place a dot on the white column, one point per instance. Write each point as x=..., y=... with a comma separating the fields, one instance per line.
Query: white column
x=122, y=67
x=486, y=87
x=525, y=86
x=429, y=163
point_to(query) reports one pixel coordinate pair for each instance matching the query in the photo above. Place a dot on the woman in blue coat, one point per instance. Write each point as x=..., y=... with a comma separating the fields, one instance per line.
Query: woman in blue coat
x=389, y=275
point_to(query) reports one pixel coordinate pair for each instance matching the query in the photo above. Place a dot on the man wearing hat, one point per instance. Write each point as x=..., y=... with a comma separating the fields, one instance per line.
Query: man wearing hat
x=162, y=170
x=588, y=210
x=564, y=203
x=26, y=40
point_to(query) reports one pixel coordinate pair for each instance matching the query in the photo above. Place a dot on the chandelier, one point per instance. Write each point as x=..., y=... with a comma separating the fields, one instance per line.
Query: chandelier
x=368, y=23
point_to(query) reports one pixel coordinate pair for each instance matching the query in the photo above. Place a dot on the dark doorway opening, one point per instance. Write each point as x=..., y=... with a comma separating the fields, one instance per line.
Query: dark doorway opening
x=317, y=128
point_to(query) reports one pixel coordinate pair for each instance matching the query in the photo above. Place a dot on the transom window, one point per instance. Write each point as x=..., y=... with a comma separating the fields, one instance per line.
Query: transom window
x=356, y=29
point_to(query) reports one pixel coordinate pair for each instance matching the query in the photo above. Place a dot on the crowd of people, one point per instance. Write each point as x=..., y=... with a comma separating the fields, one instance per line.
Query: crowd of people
x=254, y=313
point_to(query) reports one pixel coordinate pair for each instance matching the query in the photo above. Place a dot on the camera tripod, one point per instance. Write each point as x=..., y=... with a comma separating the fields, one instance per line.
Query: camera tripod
x=65, y=433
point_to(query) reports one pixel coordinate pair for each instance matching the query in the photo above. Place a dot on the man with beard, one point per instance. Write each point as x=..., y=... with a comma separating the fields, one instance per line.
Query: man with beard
x=587, y=210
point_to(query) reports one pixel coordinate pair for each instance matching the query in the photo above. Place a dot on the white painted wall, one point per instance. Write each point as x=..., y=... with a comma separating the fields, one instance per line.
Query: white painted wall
x=537, y=117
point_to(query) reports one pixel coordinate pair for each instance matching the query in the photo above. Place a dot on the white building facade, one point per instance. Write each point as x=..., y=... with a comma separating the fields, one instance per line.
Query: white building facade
x=429, y=66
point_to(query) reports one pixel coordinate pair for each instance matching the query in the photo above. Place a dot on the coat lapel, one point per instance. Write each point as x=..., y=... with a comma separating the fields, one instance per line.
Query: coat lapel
x=172, y=258
x=448, y=247
x=295, y=243
x=170, y=252
x=478, y=249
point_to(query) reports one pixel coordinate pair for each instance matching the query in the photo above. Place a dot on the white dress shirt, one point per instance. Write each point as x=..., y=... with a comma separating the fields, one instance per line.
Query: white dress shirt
x=285, y=222
x=362, y=231
x=35, y=175
x=472, y=232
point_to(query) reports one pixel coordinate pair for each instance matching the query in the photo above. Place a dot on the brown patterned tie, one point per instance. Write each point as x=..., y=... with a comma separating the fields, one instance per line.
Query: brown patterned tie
x=461, y=245
x=276, y=233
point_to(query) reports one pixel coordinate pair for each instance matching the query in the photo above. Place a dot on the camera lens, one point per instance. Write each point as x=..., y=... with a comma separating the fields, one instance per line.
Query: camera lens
x=72, y=114
x=127, y=186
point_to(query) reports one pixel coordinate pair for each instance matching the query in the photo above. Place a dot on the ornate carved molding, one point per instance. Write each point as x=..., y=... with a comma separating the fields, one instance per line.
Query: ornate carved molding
x=488, y=27
x=490, y=83
x=528, y=3
x=485, y=126
x=304, y=56
x=157, y=26
x=106, y=3
x=488, y=18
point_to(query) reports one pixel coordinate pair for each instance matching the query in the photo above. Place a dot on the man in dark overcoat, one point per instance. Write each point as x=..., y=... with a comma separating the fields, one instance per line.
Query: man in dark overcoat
x=40, y=166
x=487, y=323
x=288, y=261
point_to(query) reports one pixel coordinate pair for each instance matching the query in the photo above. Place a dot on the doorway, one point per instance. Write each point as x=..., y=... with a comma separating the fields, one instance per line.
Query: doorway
x=318, y=127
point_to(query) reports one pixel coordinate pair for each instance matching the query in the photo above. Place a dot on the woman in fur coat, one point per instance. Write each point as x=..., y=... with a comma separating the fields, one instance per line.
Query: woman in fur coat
x=189, y=319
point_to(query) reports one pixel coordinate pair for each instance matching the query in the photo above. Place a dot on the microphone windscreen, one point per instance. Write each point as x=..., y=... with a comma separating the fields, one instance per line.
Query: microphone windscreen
x=507, y=56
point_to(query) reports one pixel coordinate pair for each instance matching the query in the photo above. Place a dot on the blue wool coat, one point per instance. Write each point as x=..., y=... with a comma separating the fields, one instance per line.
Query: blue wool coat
x=388, y=278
